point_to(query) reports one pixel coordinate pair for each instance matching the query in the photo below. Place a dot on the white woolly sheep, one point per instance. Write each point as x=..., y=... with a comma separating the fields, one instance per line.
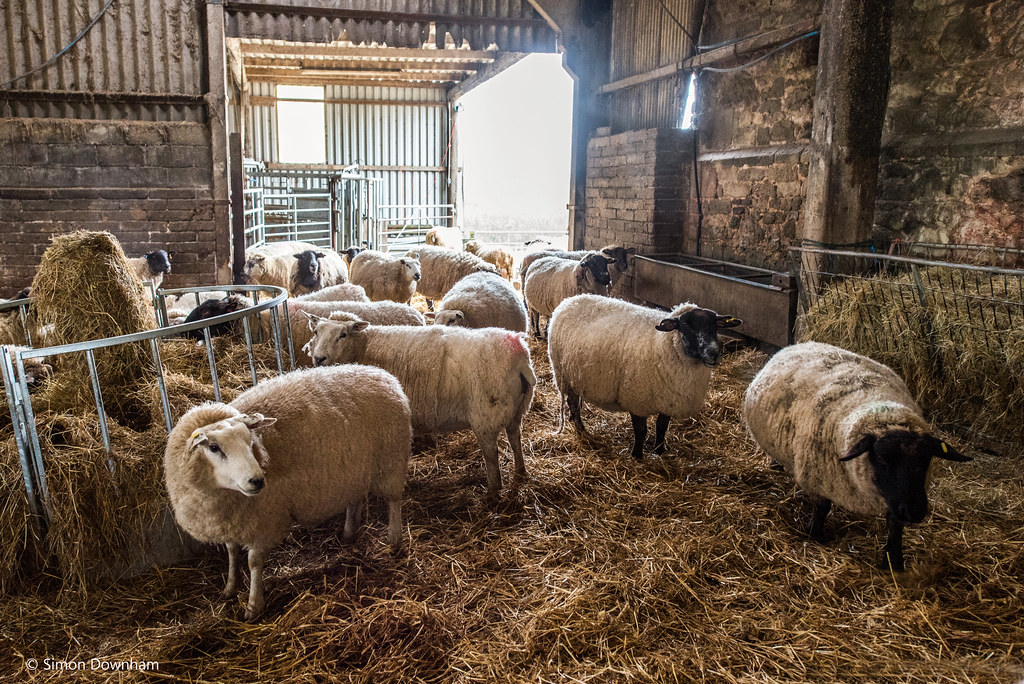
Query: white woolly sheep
x=386, y=277
x=818, y=410
x=243, y=473
x=493, y=254
x=624, y=357
x=442, y=268
x=317, y=269
x=456, y=379
x=552, y=279
x=450, y=238
x=152, y=266
x=273, y=263
x=347, y=292
x=618, y=255
x=482, y=300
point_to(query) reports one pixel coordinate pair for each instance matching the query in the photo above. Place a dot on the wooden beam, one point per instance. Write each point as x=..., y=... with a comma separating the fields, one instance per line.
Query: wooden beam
x=237, y=208
x=295, y=78
x=849, y=110
x=384, y=16
x=333, y=63
x=716, y=56
x=504, y=61
x=270, y=101
x=216, y=102
x=362, y=72
x=365, y=53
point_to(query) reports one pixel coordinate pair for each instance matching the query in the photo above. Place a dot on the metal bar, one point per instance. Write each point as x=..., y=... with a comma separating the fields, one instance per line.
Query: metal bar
x=248, y=348
x=36, y=450
x=94, y=377
x=24, y=325
x=17, y=421
x=288, y=332
x=211, y=357
x=164, y=399
x=911, y=260
x=275, y=326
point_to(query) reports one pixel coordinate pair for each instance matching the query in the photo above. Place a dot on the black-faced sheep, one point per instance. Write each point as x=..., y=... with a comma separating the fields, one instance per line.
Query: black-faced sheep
x=553, y=279
x=273, y=263
x=243, y=473
x=618, y=255
x=623, y=357
x=152, y=266
x=442, y=268
x=317, y=269
x=384, y=276
x=349, y=254
x=212, y=308
x=482, y=300
x=455, y=378
x=492, y=254
x=850, y=432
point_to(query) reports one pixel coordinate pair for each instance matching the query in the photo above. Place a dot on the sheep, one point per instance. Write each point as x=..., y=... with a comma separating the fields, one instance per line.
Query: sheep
x=624, y=357
x=349, y=254
x=317, y=269
x=482, y=300
x=492, y=254
x=273, y=263
x=242, y=473
x=450, y=238
x=456, y=379
x=152, y=266
x=850, y=432
x=386, y=277
x=346, y=292
x=618, y=255
x=211, y=308
x=442, y=268
x=178, y=307
x=553, y=279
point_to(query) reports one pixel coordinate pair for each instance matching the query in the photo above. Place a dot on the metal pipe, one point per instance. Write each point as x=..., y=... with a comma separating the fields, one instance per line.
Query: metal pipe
x=288, y=333
x=211, y=357
x=19, y=437
x=275, y=326
x=164, y=399
x=94, y=376
x=248, y=347
x=30, y=427
x=910, y=260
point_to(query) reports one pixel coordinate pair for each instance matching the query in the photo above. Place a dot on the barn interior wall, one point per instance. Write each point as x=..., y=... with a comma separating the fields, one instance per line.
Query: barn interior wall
x=148, y=183
x=952, y=165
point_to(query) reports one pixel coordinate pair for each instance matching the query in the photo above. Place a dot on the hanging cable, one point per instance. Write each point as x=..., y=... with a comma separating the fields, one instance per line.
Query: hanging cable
x=67, y=47
x=725, y=70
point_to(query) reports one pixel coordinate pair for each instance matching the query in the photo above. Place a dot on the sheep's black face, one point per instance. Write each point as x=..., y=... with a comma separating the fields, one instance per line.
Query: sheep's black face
x=598, y=267
x=698, y=333
x=620, y=257
x=899, y=463
x=351, y=252
x=309, y=268
x=159, y=262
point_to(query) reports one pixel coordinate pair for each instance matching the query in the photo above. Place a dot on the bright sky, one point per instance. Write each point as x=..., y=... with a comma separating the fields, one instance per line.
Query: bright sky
x=514, y=141
x=301, y=129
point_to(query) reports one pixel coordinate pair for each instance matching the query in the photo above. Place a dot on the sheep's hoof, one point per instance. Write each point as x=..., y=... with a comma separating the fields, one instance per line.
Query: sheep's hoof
x=890, y=563
x=229, y=594
x=252, y=615
x=660, y=449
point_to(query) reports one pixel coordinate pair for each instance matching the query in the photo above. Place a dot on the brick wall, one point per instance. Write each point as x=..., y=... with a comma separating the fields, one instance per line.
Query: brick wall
x=952, y=167
x=754, y=131
x=636, y=189
x=148, y=183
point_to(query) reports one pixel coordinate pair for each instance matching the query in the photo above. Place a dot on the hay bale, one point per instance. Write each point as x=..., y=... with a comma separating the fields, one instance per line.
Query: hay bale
x=85, y=289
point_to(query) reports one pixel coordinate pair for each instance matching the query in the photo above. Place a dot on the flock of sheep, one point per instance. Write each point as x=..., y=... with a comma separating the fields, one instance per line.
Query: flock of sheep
x=375, y=374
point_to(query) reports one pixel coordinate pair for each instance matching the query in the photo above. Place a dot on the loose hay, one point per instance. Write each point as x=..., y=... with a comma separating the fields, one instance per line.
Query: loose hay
x=693, y=567
x=963, y=362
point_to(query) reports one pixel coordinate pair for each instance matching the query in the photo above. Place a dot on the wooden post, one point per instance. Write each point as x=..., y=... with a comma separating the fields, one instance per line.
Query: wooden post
x=849, y=110
x=216, y=106
x=237, y=208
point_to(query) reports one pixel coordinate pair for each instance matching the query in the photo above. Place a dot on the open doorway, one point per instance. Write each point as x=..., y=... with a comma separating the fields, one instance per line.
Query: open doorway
x=514, y=134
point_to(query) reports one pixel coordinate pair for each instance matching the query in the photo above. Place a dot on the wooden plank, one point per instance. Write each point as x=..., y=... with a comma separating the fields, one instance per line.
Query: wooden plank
x=237, y=208
x=270, y=101
x=299, y=79
x=384, y=16
x=388, y=67
x=216, y=103
x=365, y=53
x=316, y=70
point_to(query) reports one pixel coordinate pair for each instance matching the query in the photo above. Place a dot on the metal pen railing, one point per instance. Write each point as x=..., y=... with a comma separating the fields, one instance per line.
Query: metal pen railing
x=21, y=306
x=19, y=400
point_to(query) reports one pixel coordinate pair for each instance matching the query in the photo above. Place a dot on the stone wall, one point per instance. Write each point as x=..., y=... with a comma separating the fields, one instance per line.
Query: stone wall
x=148, y=183
x=754, y=128
x=953, y=145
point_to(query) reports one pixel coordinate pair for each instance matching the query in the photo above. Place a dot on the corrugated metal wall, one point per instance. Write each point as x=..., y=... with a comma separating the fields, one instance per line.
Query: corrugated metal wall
x=645, y=37
x=397, y=134
x=528, y=34
x=143, y=60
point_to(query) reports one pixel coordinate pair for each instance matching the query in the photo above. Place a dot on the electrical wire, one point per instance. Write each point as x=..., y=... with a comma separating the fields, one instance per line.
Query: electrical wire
x=52, y=60
x=725, y=70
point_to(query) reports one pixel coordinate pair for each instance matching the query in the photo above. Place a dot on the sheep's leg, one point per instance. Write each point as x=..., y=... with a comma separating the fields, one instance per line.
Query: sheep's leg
x=535, y=323
x=639, y=435
x=575, y=404
x=231, y=585
x=821, y=509
x=395, y=524
x=893, y=551
x=489, y=446
x=660, y=428
x=353, y=517
x=515, y=440
x=255, y=605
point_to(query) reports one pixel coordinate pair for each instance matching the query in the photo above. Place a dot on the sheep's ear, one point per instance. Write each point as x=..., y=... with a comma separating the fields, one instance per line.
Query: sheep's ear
x=610, y=260
x=312, y=320
x=863, y=445
x=728, y=322
x=170, y=254
x=630, y=251
x=360, y=326
x=147, y=255
x=413, y=255
x=459, y=315
x=320, y=255
x=297, y=256
x=946, y=452
x=668, y=325
x=196, y=439
x=429, y=315
x=257, y=421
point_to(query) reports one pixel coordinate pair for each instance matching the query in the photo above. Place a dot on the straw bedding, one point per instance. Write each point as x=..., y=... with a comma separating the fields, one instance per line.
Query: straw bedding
x=690, y=567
